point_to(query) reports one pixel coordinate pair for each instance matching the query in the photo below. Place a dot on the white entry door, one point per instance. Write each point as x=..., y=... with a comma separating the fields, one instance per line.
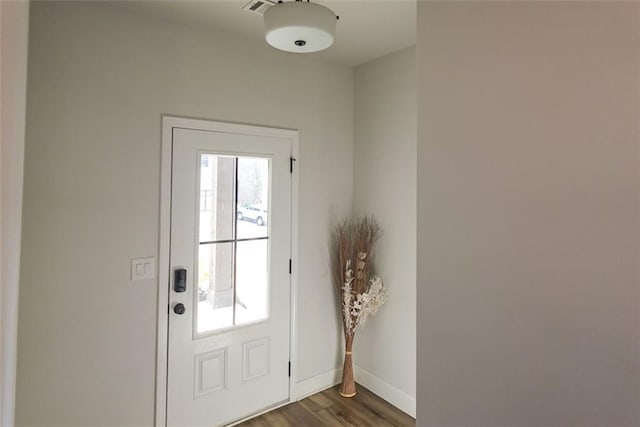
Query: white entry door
x=229, y=297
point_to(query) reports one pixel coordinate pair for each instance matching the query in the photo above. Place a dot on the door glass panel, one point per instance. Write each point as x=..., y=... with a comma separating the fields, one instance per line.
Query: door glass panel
x=252, y=281
x=215, y=286
x=216, y=197
x=253, y=192
x=233, y=249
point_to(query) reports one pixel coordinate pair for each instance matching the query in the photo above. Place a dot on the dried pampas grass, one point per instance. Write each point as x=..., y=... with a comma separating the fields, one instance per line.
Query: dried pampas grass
x=358, y=295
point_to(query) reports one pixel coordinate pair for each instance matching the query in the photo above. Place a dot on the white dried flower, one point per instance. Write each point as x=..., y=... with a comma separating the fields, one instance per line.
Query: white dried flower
x=357, y=308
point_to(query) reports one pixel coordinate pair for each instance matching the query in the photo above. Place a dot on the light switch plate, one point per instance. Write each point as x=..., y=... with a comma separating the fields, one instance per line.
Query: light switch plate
x=143, y=268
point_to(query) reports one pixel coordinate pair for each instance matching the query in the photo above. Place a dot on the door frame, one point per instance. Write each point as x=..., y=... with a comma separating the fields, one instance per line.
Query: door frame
x=162, y=344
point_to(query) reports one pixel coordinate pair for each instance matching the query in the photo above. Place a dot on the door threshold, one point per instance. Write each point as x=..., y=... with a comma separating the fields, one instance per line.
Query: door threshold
x=260, y=412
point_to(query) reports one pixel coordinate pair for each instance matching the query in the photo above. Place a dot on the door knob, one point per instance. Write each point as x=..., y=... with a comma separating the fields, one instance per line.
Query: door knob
x=179, y=308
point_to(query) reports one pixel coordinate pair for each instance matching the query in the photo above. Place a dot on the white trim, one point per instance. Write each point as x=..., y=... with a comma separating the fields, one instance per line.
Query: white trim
x=293, y=343
x=316, y=384
x=226, y=127
x=168, y=124
x=391, y=394
x=163, y=274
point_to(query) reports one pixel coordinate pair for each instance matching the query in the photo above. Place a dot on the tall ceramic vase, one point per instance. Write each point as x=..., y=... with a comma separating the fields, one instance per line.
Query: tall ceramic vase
x=348, y=386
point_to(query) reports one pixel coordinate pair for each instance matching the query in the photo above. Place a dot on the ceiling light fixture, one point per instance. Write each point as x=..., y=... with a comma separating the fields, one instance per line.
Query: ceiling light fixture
x=299, y=26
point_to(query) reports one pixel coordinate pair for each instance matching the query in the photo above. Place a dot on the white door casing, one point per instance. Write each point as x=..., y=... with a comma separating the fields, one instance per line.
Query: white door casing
x=226, y=374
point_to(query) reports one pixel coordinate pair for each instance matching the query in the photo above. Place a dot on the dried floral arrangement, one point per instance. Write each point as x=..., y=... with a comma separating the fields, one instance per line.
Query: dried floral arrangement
x=359, y=295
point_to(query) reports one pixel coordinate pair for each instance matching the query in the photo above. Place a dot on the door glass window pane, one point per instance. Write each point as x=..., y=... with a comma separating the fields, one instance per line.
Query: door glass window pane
x=233, y=246
x=253, y=192
x=252, y=281
x=215, y=286
x=216, y=197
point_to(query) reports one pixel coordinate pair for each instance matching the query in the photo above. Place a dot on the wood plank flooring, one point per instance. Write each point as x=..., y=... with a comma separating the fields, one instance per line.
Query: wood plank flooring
x=327, y=408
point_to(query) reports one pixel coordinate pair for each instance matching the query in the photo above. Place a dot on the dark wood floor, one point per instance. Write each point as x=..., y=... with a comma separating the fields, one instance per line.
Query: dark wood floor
x=327, y=408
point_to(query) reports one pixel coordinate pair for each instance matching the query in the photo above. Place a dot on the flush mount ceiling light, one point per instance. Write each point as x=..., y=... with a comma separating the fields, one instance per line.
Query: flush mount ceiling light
x=299, y=26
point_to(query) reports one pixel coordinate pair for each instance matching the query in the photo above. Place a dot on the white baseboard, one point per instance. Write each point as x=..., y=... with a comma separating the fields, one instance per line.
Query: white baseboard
x=316, y=384
x=391, y=394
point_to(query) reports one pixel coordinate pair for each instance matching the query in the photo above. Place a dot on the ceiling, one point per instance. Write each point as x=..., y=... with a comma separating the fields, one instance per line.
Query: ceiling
x=367, y=29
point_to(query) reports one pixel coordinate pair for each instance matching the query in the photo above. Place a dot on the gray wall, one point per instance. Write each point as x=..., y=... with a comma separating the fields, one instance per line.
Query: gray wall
x=14, y=24
x=528, y=214
x=385, y=186
x=100, y=77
